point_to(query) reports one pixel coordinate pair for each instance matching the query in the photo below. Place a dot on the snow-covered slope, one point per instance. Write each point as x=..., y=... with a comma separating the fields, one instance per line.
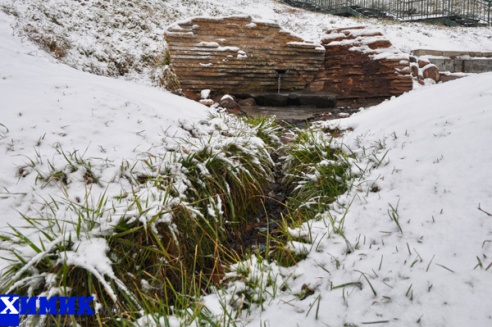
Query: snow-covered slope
x=47, y=107
x=428, y=168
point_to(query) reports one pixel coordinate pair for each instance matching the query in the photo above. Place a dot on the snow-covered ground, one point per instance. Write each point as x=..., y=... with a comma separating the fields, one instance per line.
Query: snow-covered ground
x=48, y=108
x=433, y=156
x=432, y=149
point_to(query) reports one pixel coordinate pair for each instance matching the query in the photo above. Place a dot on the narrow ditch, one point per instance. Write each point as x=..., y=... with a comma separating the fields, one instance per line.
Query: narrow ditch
x=267, y=226
x=265, y=230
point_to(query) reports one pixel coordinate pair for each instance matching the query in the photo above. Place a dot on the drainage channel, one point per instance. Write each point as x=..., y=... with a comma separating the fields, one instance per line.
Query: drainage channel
x=254, y=236
x=299, y=116
x=294, y=111
x=264, y=231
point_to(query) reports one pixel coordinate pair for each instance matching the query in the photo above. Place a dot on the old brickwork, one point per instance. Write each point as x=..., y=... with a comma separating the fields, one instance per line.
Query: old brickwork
x=239, y=54
x=361, y=63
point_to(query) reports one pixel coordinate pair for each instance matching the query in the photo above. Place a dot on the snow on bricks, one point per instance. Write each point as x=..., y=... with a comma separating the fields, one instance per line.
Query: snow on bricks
x=240, y=54
x=362, y=63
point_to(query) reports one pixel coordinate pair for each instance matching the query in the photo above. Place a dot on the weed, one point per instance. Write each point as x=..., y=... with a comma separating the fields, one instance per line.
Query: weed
x=54, y=44
x=267, y=129
x=4, y=131
x=165, y=77
x=157, y=247
x=394, y=215
x=316, y=172
x=370, y=284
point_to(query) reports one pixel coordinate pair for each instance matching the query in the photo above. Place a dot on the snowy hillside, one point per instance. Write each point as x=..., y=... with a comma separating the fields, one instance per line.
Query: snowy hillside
x=416, y=246
x=47, y=107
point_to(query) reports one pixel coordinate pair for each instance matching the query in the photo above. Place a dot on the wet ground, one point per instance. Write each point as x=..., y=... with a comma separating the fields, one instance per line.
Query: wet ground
x=255, y=235
x=300, y=115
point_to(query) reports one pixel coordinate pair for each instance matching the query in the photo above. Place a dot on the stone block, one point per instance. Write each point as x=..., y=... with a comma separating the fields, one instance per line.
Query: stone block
x=431, y=71
x=361, y=63
x=248, y=102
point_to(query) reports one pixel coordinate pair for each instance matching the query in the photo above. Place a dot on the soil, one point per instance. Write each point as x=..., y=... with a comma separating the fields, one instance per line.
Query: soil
x=254, y=236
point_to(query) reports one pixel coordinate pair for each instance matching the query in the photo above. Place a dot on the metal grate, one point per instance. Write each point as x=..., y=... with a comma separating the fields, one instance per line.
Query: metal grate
x=449, y=12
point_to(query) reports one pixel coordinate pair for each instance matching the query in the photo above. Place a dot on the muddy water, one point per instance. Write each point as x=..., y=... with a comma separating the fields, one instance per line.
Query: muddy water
x=300, y=114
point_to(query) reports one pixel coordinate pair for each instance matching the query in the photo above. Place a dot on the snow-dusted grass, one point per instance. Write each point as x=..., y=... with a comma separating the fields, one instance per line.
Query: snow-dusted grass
x=417, y=231
x=316, y=172
x=118, y=190
x=95, y=166
x=161, y=239
x=148, y=245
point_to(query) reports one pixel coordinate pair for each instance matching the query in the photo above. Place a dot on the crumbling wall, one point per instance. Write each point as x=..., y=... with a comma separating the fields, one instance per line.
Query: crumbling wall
x=239, y=54
x=361, y=63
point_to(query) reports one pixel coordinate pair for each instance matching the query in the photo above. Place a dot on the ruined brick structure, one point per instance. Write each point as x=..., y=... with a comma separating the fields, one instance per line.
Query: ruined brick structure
x=239, y=54
x=361, y=63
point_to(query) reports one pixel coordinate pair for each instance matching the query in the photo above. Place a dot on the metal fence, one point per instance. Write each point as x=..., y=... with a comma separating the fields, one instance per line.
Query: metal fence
x=450, y=12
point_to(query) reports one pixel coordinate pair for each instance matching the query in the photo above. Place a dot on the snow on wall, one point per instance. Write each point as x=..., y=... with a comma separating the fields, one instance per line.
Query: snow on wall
x=240, y=54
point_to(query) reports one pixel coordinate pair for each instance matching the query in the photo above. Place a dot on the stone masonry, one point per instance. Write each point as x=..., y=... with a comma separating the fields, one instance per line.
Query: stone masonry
x=239, y=54
x=361, y=63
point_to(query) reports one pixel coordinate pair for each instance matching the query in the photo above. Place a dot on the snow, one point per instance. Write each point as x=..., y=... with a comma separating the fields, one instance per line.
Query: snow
x=48, y=108
x=388, y=55
x=125, y=38
x=433, y=144
x=241, y=54
x=227, y=49
x=208, y=44
x=364, y=32
x=426, y=157
x=205, y=94
x=304, y=44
